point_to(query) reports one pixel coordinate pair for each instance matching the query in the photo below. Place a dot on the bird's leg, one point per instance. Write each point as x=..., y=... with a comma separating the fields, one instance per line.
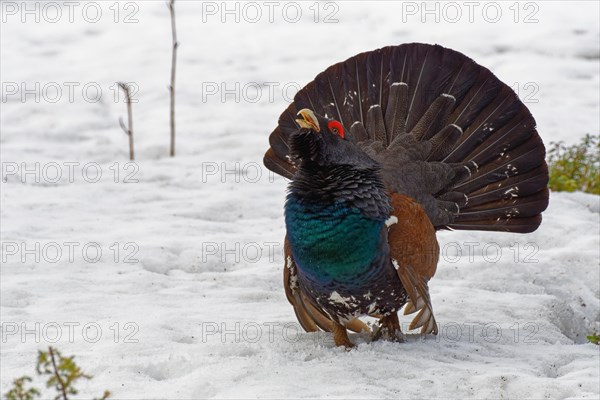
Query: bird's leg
x=340, y=336
x=389, y=329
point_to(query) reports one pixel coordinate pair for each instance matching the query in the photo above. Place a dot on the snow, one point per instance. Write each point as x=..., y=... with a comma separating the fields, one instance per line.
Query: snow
x=199, y=306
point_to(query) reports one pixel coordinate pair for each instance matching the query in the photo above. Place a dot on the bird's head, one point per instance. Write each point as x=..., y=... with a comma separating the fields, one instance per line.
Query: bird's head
x=322, y=142
x=333, y=169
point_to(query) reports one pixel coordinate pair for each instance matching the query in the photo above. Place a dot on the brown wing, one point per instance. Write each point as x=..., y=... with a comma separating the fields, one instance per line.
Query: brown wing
x=415, y=253
x=311, y=318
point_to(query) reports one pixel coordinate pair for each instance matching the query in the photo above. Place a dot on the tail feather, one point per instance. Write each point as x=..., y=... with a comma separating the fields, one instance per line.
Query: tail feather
x=504, y=208
x=376, y=124
x=446, y=131
x=355, y=85
x=521, y=185
x=434, y=118
x=482, y=93
x=377, y=85
x=487, y=119
x=427, y=77
x=515, y=225
x=512, y=163
x=444, y=141
x=358, y=133
x=396, y=110
x=513, y=134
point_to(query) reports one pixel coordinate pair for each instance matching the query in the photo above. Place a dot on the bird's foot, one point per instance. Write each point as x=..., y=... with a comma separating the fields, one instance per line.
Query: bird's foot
x=389, y=329
x=384, y=333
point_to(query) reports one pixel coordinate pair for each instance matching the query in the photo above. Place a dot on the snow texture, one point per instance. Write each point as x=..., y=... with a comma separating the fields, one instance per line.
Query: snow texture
x=199, y=308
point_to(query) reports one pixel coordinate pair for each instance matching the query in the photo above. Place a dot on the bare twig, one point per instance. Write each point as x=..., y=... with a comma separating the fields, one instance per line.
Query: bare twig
x=171, y=6
x=129, y=130
x=63, y=387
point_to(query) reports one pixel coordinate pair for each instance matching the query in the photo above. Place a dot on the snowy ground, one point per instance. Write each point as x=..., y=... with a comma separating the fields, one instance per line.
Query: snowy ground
x=186, y=300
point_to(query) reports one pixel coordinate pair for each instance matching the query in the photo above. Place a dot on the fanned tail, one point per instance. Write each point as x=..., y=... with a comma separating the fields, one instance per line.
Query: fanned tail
x=446, y=130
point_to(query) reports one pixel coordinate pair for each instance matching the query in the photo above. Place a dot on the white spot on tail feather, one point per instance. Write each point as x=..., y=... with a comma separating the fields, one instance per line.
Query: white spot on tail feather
x=488, y=127
x=457, y=127
x=512, y=192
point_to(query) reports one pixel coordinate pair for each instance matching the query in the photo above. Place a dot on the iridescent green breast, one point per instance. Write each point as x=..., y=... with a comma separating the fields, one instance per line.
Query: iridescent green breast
x=331, y=242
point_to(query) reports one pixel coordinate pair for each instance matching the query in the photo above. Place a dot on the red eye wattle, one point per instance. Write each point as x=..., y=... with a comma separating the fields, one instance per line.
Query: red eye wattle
x=336, y=128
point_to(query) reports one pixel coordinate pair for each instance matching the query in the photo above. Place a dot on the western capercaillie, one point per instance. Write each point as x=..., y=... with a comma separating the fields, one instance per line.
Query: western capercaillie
x=382, y=150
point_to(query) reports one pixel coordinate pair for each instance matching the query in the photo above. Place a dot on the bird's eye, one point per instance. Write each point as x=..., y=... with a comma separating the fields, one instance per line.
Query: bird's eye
x=336, y=128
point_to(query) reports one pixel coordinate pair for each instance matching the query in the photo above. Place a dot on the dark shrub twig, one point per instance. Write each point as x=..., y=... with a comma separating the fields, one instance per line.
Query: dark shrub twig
x=129, y=130
x=171, y=6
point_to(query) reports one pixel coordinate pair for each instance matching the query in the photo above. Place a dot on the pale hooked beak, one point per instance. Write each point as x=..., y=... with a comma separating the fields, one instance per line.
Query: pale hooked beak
x=308, y=120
